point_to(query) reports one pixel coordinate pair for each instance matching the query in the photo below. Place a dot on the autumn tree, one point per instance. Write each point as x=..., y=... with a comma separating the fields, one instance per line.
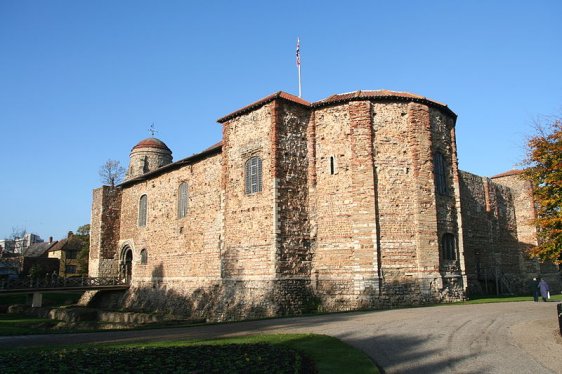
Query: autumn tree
x=111, y=173
x=544, y=170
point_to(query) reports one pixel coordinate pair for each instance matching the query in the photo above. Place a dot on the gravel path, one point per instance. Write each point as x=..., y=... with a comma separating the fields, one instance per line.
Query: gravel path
x=510, y=338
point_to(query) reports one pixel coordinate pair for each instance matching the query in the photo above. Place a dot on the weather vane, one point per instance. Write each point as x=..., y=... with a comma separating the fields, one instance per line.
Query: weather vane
x=152, y=130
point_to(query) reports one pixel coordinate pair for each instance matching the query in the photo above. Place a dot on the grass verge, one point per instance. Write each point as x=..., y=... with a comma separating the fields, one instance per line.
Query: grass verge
x=12, y=324
x=506, y=299
x=49, y=298
x=280, y=353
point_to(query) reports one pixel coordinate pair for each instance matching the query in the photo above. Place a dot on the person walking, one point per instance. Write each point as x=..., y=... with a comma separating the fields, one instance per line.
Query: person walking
x=544, y=289
x=534, y=286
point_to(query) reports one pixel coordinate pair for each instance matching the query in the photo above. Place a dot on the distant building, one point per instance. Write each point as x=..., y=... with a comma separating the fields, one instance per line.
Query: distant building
x=34, y=256
x=67, y=251
x=19, y=245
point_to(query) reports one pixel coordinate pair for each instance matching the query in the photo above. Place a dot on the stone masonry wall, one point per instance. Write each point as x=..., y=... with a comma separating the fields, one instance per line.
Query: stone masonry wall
x=292, y=232
x=375, y=217
x=521, y=190
x=331, y=208
x=249, y=229
x=104, y=231
x=494, y=259
x=365, y=255
x=185, y=248
x=447, y=208
x=422, y=146
x=397, y=201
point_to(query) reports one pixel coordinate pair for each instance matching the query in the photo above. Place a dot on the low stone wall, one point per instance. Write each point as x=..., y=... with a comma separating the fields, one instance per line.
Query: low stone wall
x=228, y=300
x=338, y=295
x=232, y=300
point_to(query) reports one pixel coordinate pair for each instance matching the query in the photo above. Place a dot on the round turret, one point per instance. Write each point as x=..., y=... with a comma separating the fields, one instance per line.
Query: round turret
x=148, y=155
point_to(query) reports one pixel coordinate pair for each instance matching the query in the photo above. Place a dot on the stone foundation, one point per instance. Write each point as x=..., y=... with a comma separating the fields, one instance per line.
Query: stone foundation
x=232, y=300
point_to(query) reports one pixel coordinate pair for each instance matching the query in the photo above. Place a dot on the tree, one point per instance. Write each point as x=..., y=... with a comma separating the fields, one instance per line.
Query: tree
x=18, y=233
x=17, y=240
x=544, y=170
x=83, y=230
x=111, y=173
x=83, y=234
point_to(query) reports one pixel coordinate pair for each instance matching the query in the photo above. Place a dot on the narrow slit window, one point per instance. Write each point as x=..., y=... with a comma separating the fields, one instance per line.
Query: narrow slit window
x=332, y=165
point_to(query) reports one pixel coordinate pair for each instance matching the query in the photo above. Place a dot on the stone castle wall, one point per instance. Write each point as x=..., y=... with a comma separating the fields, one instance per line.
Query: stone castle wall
x=104, y=231
x=521, y=190
x=496, y=236
x=447, y=204
x=374, y=208
x=348, y=217
x=290, y=176
x=177, y=248
x=331, y=204
x=249, y=231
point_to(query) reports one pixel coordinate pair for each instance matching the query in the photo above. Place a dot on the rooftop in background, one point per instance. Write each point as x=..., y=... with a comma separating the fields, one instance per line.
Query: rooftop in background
x=508, y=173
x=38, y=249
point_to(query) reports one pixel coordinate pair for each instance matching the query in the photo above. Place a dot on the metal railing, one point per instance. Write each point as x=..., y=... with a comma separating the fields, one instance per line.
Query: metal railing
x=50, y=282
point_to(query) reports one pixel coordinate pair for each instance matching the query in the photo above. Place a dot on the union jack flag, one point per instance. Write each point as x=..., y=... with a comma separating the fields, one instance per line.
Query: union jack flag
x=298, y=52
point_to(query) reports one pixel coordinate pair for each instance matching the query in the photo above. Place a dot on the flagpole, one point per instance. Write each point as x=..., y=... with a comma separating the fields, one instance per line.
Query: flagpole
x=299, y=80
x=299, y=63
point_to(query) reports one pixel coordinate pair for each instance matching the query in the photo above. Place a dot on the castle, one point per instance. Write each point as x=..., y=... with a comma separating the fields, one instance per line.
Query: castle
x=355, y=201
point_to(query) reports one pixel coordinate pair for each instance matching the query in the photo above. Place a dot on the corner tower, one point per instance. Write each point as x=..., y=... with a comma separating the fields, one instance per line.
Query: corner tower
x=148, y=155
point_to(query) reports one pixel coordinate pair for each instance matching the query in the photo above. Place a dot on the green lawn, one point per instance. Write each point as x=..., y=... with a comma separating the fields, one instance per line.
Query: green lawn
x=11, y=324
x=49, y=298
x=291, y=353
x=506, y=299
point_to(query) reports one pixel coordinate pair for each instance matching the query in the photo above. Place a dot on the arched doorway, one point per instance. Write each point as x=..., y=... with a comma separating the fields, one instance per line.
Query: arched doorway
x=126, y=265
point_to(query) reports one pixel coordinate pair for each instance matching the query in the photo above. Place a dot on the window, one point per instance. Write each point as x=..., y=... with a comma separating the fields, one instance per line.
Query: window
x=332, y=165
x=449, y=247
x=182, y=200
x=253, y=175
x=440, y=175
x=143, y=207
x=144, y=257
x=70, y=269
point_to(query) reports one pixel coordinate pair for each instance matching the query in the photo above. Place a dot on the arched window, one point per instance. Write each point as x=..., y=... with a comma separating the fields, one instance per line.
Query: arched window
x=143, y=207
x=144, y=256
x=440, y=173
x=182, y=200
x=253, y=175
x=449, y=247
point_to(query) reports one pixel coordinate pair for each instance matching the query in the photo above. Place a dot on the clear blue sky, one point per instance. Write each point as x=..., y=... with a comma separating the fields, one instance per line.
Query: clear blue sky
x=81, y=81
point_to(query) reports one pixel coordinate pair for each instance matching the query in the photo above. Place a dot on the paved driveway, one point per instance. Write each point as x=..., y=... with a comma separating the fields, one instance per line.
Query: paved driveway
x=490, y=338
